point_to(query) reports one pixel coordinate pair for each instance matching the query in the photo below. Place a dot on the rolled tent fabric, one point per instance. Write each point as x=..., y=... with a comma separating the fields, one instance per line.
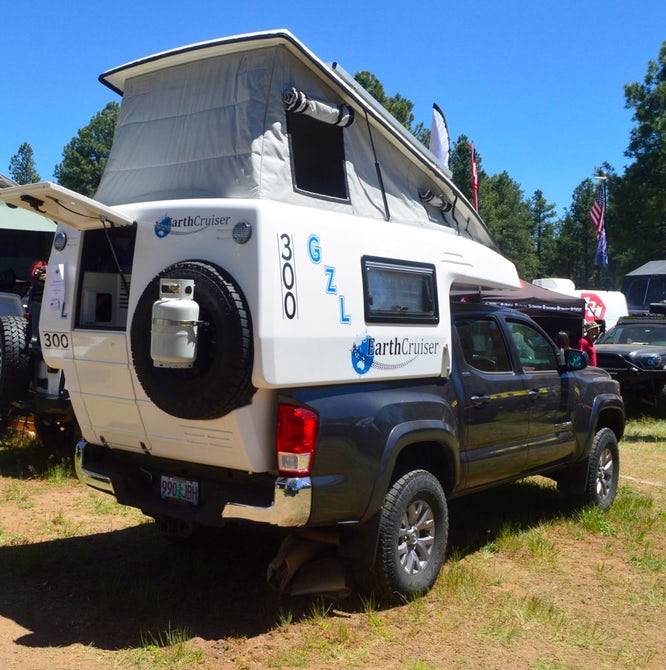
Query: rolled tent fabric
x=327, y=112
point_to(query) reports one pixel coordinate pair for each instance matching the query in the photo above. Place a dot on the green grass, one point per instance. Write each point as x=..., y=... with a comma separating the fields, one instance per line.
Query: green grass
x=508, y=585
x=169, y=649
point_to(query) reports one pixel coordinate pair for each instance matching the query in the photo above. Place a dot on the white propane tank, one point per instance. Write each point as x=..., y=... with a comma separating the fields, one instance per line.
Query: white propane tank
x=175, y=318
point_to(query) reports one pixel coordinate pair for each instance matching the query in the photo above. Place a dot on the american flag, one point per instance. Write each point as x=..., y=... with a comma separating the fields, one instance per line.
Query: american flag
x=598, y=210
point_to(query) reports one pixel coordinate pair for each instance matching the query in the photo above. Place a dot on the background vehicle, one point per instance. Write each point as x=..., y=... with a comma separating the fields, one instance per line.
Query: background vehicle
x=28, y=386
x=634, y=353
x=604, y=307
x=644, y=285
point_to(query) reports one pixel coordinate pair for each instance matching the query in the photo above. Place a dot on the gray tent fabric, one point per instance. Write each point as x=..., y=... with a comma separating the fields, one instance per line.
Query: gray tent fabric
x=208, y=121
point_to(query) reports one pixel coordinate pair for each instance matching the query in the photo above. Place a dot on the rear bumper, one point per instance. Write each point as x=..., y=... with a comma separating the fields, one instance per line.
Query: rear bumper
x=133, y=484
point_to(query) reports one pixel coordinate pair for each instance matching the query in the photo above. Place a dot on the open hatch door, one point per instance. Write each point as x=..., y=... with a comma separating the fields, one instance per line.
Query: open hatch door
x=64, y=206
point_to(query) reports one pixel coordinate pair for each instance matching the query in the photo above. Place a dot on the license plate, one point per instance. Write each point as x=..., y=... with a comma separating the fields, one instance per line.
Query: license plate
x=179, y=490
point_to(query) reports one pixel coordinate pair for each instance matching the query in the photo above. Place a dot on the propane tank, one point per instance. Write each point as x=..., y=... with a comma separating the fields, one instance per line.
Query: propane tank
x=175, y=321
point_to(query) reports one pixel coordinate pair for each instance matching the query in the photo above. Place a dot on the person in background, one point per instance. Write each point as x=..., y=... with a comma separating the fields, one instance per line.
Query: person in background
x=586, y=343
x=562, y=341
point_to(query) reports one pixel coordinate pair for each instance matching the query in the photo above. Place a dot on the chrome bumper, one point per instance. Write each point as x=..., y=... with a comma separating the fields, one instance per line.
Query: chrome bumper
x=292, y=499
x=86, y=476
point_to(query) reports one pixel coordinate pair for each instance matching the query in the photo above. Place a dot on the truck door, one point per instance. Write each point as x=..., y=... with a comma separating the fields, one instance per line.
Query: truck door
x=495, y=404
x=549, y=394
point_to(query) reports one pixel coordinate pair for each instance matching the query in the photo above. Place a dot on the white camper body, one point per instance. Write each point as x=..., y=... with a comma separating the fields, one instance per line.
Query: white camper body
x=313, y=257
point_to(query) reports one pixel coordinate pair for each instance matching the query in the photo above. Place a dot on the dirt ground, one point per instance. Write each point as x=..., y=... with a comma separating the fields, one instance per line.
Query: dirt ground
x=83, y=582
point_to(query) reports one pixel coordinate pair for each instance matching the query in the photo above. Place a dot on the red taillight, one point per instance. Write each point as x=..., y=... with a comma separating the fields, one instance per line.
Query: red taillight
x=296, y=437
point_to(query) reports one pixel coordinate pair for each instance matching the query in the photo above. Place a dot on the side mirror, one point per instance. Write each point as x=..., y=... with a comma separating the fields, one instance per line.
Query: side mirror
x=575, y=359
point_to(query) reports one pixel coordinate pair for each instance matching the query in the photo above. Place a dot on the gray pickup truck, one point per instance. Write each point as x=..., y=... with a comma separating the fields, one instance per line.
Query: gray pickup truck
x=385, y=457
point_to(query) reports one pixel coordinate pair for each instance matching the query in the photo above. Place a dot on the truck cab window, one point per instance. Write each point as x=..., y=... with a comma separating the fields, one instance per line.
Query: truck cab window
x=483, y=345
x=534, y=351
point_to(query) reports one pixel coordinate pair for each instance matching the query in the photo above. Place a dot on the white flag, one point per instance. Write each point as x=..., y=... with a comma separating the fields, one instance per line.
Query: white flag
x=439, y=136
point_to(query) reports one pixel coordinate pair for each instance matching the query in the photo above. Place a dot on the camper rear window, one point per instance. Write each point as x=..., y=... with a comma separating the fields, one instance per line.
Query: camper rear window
x=398, y=291
x=317, y=156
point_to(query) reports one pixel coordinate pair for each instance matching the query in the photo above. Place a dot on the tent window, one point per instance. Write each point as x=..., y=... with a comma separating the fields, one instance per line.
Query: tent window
x=318, y=156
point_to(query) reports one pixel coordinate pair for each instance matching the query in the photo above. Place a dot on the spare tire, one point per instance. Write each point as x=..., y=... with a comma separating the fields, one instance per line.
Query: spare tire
x=221, y=377
x=15, y=359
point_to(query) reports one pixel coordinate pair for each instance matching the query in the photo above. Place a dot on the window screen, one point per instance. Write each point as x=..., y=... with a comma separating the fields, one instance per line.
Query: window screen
x=317, y=156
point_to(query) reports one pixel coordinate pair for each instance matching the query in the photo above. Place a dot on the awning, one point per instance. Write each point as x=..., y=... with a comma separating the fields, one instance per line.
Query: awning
x=328, y=112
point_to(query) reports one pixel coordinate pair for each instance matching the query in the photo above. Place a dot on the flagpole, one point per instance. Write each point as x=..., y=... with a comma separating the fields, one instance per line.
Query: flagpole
x=475, y=178
x=604, y=180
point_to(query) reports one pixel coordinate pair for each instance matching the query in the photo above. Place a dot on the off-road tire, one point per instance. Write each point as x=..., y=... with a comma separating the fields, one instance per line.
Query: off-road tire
x=594, y=481
x=15, y=359
x=603, y=471
x=221, y=378
x=412, y=539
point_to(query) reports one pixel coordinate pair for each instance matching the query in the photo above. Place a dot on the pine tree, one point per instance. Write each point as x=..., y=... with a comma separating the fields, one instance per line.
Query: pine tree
x=22, y=166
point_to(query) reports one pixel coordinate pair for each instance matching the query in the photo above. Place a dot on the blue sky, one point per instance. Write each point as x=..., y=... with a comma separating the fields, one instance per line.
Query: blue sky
x=539, y=87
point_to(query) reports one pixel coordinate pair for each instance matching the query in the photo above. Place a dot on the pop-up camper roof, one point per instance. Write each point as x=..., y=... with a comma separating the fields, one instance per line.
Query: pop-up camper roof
x=230, y=139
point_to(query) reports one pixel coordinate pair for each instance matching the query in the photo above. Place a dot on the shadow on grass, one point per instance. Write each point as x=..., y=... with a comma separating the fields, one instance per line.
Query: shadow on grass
x=107, y=589
x=478, y=519
x=23, y=456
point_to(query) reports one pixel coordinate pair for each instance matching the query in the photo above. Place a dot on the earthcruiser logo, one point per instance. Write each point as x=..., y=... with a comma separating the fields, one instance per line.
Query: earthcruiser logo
x=187, y=225
x=389, y=353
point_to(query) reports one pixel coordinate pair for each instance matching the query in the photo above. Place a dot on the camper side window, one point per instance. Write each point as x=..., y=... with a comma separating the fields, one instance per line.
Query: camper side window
x=397, y=291
x=317, y=157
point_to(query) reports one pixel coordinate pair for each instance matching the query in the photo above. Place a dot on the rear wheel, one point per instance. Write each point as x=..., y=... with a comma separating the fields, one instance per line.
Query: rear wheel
x=413, y=536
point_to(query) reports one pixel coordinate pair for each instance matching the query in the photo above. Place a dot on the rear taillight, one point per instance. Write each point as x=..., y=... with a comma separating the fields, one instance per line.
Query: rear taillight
x=296, y=437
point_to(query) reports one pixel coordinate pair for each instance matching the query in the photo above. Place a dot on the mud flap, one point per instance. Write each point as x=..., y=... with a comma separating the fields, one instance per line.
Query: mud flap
x=305, y=565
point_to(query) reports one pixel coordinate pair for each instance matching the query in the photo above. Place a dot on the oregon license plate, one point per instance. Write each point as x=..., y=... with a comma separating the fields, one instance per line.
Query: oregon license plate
x=179, y=490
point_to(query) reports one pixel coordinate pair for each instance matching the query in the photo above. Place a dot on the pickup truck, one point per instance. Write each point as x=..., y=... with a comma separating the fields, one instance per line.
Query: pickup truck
x=253, y=317
x=378, y=461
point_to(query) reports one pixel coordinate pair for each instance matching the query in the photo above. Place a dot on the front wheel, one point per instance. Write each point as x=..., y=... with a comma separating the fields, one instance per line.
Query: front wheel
x=603, y=470
x=413, y=536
